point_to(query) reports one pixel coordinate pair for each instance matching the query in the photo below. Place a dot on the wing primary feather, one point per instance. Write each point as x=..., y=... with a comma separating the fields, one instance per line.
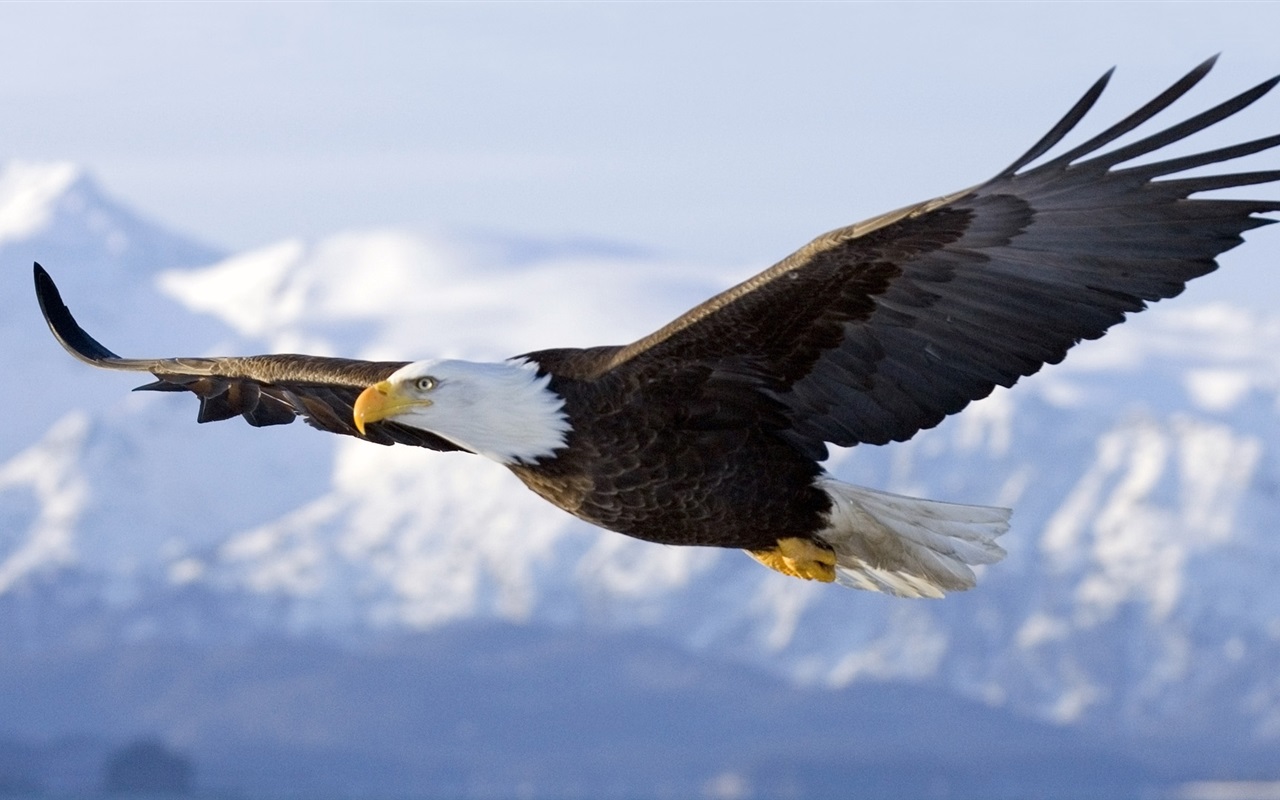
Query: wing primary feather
x=161, y=386
x=76, y=341
x=1207, y=183
x=1165, y=99
x=1063, y=127
x=65, y=329
x=1172, y=165
x=1184, y=129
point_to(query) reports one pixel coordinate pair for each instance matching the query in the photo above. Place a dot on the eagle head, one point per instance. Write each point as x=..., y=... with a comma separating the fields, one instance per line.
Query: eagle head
x=504, y=411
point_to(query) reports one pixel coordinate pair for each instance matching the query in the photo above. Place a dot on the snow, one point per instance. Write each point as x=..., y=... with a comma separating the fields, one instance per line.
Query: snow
x=247, y=292
x=50, y=471
x=1218, y=389
x=911, y=648
x=27, y=195
x=1229, y=790
x=1040, y=628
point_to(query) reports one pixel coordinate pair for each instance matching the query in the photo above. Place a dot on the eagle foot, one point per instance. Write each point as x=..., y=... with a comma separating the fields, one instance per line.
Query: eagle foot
x=799, y=558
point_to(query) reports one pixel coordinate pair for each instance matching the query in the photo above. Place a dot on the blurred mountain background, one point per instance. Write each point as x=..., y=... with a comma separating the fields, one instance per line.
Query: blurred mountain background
x=231, y=612
x=299, y=613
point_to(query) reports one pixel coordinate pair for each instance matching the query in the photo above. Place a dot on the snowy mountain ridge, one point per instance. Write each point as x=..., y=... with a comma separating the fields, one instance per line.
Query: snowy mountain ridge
x=1138, y=594
x=29, y=194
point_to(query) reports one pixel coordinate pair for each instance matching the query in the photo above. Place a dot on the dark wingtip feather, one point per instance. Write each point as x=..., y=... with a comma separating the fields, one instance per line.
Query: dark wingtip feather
x=1172, y=165
x=161, y=386
x=1064, y=126
x=1186, y=128
x=64, y=326
x=1159, y=103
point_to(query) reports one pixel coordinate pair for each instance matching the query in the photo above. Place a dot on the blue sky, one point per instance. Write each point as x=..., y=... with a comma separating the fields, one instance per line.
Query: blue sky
x=722, y=132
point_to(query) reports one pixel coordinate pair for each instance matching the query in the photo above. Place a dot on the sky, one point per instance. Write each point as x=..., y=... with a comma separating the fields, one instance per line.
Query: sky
x=729, y=133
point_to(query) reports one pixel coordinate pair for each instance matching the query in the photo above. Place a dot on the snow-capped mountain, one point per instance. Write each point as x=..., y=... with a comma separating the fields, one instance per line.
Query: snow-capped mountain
x=56, y=214
x=1138, y=600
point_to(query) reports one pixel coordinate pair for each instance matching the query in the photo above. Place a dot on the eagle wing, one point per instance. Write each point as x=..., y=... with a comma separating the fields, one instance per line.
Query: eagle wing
x=873, y=332
x=265, y=390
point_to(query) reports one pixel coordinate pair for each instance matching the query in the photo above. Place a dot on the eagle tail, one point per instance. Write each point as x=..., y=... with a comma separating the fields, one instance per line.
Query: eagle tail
x=908, y=546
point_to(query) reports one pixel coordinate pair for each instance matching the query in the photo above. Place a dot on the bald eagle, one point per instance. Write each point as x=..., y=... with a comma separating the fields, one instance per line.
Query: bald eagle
x=712, y=431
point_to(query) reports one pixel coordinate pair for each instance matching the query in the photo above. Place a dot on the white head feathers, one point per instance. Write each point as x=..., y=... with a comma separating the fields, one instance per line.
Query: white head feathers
x=503, y=411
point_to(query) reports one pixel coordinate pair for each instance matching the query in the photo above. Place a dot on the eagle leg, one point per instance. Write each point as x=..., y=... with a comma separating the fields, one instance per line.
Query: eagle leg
x=799, y=558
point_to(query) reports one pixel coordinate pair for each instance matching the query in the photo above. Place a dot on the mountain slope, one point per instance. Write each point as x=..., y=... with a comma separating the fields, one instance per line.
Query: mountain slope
x=1137, y=603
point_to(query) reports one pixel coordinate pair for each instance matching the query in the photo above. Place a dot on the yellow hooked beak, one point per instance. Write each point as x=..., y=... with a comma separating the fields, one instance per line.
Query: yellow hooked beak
x=382, y=401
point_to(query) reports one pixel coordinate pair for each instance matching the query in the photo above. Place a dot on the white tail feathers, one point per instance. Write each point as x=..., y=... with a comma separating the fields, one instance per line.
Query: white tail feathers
x=908, y=546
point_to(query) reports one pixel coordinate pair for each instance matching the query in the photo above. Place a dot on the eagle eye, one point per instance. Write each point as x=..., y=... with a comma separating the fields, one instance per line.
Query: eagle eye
x=425, y=384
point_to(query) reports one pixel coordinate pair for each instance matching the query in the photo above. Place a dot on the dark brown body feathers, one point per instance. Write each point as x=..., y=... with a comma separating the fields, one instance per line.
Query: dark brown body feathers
x=678, y=459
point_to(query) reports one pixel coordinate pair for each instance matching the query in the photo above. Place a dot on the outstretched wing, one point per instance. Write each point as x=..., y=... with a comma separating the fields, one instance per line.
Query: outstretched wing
x=265, y=390
x=875, y=331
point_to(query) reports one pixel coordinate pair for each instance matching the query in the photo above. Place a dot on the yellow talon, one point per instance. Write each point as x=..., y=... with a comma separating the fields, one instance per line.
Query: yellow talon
x=799, y=558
